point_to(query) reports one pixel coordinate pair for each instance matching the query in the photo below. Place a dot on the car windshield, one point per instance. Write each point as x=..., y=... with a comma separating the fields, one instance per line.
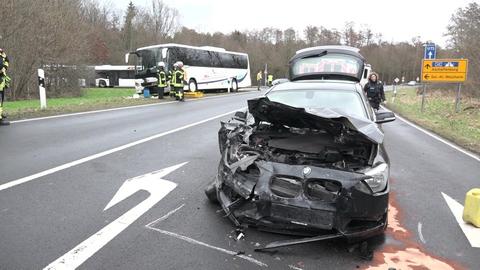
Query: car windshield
x=327, y=64
x=348, y=102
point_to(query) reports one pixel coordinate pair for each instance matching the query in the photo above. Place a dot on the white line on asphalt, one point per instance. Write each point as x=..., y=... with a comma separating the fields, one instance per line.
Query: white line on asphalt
x=121, y=108
x=294, y=267
x=196, y=242
x=420, y=234
x=165, y=216
x=438, y=138
x=107, y=152
x=472, y=233
x=157, y=188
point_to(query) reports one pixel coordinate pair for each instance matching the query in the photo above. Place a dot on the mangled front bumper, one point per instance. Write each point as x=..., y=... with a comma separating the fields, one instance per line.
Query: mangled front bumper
x=301, y=200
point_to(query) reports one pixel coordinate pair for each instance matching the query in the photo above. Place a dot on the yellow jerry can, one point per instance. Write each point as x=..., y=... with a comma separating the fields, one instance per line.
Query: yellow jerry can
x=471, y=210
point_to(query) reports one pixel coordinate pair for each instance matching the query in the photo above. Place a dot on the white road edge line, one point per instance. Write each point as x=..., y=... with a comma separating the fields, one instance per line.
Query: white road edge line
x=420, y=234
x=471, y=233
x=438, y=138
x=107, y=152
x=196, y=242
x=120, y=108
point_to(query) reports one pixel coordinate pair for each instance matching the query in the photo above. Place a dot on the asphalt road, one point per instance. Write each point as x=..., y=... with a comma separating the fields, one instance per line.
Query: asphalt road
x=47, y=215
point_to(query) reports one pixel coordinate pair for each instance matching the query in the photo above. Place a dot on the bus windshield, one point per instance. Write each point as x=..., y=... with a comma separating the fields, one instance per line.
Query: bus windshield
x=149, y=58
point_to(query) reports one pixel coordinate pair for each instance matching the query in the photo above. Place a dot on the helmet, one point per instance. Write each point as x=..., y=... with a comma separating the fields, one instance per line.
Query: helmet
x=1, y=50
x=180, y=63
x=161, y=64
x=175, y=64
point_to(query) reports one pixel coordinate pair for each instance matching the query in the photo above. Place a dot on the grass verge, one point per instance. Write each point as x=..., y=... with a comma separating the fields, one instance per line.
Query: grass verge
x=439, y=115
x=92, y=99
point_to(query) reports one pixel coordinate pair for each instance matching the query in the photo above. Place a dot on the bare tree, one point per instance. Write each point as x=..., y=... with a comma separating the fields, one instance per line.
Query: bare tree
x=464, y=30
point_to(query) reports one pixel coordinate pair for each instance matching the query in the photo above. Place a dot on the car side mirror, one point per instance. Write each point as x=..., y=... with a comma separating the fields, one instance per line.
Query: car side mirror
x=383, y=116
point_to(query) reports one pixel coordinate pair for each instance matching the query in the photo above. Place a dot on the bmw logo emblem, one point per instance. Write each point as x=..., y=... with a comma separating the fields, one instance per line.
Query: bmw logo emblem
x=307, y=171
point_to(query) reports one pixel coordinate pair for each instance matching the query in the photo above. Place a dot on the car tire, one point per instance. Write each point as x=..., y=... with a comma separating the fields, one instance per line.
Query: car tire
x=211, y=192
x=192, y=85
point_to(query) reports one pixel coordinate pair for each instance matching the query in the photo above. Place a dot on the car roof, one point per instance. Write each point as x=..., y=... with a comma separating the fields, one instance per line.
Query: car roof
x=318, y=85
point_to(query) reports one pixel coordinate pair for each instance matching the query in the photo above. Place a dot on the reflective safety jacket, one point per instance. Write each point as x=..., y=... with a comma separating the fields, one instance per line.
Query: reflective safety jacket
x=259, y=76
x=4, y=60
x=177, y=78
x=270, y=78
x=162, y=78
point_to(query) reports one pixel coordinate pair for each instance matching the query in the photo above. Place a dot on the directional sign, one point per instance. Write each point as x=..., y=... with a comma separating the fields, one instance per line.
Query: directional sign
x=152, y=183
x=430, y=51
x=444, y=70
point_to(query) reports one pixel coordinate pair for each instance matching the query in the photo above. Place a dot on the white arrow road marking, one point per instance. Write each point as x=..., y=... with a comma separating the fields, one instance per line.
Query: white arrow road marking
x=151, y=182
x=472, y=233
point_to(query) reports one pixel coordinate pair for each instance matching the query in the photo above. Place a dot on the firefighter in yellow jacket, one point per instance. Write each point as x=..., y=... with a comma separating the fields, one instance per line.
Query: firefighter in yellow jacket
x=178, y=77
x=162, y=80
x=259, y=79
x=4, y=84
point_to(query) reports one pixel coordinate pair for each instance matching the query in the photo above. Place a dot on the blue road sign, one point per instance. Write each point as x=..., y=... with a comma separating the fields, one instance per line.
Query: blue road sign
x=444, y=64
x=430, y=51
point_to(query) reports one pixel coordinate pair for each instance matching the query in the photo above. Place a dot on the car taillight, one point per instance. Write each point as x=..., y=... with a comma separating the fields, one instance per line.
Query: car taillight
x=323, y=190
x=287, y=187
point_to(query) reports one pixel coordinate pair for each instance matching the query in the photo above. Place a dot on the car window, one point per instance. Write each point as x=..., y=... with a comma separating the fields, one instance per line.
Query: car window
x=332, y=63
x=347, y=102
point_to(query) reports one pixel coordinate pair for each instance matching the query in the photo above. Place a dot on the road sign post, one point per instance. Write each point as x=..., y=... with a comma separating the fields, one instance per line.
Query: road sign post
x=458, y=98
x=424, y=92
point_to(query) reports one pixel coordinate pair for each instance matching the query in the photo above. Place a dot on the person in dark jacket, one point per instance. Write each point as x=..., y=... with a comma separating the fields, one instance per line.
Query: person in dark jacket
x=374, y=91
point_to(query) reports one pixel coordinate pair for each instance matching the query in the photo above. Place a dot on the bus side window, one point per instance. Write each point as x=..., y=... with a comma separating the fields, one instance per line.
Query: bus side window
x=204, y=59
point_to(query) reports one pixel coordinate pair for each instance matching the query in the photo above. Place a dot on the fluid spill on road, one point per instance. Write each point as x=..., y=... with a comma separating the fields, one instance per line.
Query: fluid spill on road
x=405, y=253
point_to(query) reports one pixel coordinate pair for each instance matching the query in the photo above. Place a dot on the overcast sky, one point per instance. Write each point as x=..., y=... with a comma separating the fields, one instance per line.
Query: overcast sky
x=397, y=20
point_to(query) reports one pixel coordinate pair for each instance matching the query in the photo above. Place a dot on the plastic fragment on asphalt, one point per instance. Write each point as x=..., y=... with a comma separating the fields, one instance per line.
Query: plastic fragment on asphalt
x=240, y=236
x=471, y=210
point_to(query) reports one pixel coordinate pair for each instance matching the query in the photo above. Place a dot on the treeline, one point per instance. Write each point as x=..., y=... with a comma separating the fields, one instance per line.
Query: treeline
x=72, y=33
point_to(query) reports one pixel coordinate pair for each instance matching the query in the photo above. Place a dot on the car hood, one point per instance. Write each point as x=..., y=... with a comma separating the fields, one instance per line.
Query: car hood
x=333, y=121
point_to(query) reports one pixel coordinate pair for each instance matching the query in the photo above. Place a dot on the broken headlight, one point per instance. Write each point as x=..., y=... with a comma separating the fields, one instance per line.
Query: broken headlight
x=378, y=177
x=286, y=186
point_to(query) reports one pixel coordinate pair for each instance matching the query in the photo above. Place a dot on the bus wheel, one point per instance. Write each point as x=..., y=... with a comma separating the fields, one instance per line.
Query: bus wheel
x=102, y=83
x=234, y=86
x=192, y=85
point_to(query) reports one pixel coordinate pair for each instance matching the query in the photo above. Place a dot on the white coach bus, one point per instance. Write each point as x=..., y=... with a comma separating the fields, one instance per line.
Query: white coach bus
x=205, y=67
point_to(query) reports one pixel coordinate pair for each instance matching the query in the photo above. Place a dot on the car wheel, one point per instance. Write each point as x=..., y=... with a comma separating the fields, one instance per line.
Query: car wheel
x=192, y=85
x=234, y=85
x=211, y=192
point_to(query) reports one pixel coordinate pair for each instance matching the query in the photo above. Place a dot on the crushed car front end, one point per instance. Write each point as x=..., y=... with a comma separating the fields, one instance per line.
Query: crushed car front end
x=315, y=173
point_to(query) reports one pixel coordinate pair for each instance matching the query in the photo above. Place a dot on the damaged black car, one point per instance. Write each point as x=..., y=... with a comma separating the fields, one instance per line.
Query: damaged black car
x=308, y=157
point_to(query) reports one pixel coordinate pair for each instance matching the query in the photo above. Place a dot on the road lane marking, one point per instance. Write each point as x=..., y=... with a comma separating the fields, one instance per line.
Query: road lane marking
x=420, y=234
x=107, y=152
x=196, y=242
x=151, y=182
x=438, y=138
x=122, y=108
x=471, y=233
x=151, y=224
